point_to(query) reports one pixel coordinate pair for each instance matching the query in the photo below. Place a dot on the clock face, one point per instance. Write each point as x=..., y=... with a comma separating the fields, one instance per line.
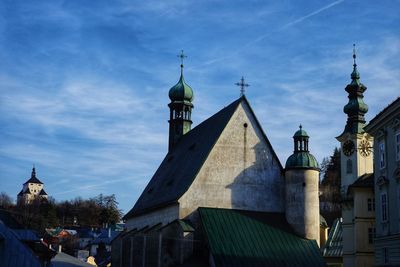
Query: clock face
x=365, y=148
x=348, y=147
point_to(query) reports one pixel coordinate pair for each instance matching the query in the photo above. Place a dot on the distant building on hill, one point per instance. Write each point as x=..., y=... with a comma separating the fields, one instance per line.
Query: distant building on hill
x=31, y=190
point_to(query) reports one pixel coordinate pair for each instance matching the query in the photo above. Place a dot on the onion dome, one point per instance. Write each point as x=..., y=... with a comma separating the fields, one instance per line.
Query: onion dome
x=355, y=108
x=181, y=91
x=301, y=157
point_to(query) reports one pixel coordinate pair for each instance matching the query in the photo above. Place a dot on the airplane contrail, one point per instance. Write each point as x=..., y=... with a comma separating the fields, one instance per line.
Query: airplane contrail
x=259, y=38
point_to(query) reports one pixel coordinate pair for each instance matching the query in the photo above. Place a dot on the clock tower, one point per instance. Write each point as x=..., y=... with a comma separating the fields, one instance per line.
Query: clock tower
x=356, y=144
x=356, y=178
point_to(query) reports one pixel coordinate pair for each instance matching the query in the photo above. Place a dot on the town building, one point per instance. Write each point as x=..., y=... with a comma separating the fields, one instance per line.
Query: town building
x=224, y=174
x=385, y=128
x=31, y=190
x=357, y=184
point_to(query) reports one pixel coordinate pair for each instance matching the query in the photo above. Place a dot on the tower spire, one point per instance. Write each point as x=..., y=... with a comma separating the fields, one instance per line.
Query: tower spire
x=182, y=56
x=355, y=108
x=181, y=95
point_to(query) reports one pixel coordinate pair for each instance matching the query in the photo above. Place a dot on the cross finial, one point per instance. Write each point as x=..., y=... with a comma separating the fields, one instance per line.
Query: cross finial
x=182, y=56
x=242, y=85
x=354, y=55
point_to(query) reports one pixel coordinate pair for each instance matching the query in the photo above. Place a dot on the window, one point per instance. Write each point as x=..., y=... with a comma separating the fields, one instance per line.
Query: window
x=349, y=167
x=371, y=235
x=384, y=207
x=397, y=142
x=371, y=204
x=382, y=155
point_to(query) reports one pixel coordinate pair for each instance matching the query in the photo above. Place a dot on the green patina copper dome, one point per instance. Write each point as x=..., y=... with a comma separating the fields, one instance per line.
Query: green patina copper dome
x=301, y=160
x=181, y=91
x=300, y=133
x=301, y=157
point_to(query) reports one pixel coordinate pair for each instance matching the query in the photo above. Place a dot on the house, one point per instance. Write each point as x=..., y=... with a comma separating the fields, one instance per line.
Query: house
x=385, y=128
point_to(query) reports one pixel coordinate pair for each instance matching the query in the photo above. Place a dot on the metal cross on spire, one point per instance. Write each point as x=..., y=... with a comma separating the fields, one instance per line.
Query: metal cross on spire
x=354, y=55
x=242, y=85
x=182, y=56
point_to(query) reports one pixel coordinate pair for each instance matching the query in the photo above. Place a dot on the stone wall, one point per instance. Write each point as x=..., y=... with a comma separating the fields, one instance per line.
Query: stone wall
x=241, y=171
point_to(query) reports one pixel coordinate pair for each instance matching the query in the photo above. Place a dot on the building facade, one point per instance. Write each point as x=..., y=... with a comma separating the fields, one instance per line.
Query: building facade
x=385, y=128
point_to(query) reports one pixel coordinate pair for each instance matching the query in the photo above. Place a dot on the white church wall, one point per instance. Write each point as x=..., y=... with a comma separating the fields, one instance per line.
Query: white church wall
x=240, y=172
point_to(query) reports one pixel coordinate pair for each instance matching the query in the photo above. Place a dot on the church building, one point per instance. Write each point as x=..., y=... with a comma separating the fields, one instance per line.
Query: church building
x=31, y=190
x=221, y=196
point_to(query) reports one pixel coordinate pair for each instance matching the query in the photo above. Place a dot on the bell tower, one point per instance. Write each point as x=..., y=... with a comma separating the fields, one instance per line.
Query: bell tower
x=356, y=166
x=181, y=106
x=356, y=144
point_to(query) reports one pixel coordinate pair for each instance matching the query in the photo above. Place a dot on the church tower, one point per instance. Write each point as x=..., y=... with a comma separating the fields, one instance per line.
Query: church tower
x=301, y=189
x=181, y=106
x=356, y=178
x=356, y=156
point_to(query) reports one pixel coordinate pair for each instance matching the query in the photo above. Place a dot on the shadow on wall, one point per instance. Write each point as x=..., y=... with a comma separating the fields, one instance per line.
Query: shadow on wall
x=259, y=187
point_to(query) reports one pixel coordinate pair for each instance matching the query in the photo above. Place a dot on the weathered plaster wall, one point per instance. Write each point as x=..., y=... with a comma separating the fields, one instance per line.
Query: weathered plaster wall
x=163, y=215
x=240, y=172
x=302, y=202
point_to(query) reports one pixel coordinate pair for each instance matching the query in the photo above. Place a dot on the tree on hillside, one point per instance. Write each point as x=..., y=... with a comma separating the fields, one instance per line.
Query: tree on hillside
x=330, y=199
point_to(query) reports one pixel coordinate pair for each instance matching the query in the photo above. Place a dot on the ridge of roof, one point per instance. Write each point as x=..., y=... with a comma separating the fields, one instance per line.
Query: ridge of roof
x=372, y=121
x=172, y=178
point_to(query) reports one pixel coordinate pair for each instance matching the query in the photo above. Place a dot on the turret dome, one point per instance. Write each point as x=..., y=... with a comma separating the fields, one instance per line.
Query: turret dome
x=301, y=160
x=181, y=91
x=301, y=157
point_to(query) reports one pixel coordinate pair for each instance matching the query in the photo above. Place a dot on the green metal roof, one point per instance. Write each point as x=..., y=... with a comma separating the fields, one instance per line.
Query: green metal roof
x=301, y=160
x=300, y=133
x=181, y=91
x=248, y=238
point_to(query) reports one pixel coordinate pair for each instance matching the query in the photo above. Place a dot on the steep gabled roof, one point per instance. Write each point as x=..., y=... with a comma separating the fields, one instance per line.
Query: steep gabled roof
x=238, y=238
x=181, y=165
x=33, y=179
x=42, y=193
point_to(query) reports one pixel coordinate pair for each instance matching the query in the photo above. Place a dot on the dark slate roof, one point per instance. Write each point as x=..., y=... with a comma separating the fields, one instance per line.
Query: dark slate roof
x=26, y=235
x=334, y=244
x=248, y=238
x=181, y=165
x=13, y=252
x=20, y=193
x=33, y=178
x=42, y=193
x=365, y=180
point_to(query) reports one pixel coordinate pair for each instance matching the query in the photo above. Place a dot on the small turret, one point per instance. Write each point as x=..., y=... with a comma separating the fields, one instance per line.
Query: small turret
x=301, y=189
x=181, y=95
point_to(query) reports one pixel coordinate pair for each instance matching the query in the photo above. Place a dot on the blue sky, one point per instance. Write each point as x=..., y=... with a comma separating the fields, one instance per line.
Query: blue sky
x=84, y=84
